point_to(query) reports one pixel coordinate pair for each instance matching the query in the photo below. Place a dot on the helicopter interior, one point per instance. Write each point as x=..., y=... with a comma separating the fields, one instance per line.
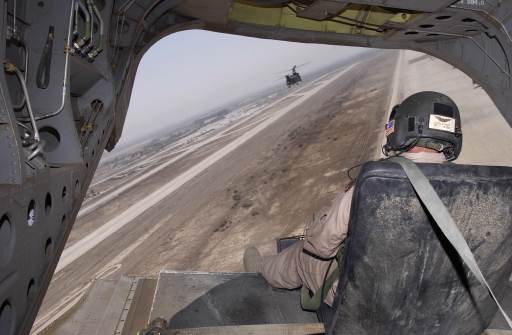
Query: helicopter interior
x=69, y=69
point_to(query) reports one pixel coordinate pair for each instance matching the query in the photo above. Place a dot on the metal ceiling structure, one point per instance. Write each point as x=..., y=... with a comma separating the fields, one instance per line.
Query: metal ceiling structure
x=69, y=68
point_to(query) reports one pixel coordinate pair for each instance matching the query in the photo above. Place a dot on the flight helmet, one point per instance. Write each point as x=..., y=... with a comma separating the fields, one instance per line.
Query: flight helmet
x=425, y=119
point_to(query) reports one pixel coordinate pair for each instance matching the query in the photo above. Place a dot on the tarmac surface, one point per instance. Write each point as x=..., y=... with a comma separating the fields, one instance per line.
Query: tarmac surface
x=197, y=204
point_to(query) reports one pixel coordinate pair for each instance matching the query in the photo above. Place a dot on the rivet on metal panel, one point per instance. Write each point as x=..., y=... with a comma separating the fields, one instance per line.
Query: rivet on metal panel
x=400, y=18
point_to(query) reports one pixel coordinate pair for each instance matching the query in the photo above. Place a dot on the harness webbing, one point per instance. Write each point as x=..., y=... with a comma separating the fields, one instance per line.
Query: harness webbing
x=444, y=221
x=312, y=303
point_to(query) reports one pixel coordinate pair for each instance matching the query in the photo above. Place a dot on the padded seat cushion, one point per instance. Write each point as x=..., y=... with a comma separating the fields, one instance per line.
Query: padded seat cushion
x=400, y=275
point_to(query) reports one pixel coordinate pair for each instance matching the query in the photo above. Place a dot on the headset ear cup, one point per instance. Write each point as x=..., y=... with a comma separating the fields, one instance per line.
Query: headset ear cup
x=386, y=149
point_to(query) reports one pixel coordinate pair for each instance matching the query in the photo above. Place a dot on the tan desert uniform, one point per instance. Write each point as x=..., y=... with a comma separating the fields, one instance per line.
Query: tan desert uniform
x=293, y=268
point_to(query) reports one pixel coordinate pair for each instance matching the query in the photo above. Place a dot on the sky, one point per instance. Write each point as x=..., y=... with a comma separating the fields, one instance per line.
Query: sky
x=193, y=72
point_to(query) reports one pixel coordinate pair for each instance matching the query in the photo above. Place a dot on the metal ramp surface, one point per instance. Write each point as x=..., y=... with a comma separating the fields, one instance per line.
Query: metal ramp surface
x=186, y=299
x=210, y=302
x=119, y=307
x=199, y=299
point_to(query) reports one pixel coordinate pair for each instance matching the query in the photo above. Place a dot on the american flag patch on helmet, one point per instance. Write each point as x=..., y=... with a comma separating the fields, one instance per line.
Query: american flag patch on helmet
x=390, y=127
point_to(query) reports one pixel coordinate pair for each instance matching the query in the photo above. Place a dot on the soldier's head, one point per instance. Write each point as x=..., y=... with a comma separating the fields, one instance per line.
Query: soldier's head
x=428, y=120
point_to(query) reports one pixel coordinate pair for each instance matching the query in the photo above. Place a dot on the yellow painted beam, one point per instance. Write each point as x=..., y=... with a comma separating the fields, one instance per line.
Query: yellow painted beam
x=285, y=17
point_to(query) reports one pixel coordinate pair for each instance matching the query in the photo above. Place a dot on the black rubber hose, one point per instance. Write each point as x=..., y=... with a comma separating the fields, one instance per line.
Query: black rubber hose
x=44, y=67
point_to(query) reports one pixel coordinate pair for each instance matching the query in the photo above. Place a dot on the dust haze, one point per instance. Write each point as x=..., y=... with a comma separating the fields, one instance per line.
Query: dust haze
x=195, y=72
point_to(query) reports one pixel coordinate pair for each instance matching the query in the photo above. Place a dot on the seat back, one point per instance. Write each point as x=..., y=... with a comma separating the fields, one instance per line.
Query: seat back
x=400, y=275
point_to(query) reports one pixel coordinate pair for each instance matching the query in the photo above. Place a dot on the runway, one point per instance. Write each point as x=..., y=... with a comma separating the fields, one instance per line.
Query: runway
x=85, y=244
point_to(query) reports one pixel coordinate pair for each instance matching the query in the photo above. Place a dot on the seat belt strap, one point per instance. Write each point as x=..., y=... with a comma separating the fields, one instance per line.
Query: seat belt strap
x=313, y=303
x=444, y=221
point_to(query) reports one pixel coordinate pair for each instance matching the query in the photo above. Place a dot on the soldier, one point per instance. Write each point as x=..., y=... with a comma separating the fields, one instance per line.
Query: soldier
x=425, y=128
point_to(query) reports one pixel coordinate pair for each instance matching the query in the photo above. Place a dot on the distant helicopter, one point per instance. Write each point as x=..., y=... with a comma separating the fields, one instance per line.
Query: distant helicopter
x=294, y=78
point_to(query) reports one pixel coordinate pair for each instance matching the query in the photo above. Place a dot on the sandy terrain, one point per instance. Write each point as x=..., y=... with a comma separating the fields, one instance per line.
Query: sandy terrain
x=260, y=180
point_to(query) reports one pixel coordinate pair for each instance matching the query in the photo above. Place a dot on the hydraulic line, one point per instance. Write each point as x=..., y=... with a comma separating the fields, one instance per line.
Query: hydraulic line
x=500, y=24
x=504, y=71
x=90, y=45
x=94, y=53
x=24, y=127
x=14, y=28
x=37, y=150
x=65, y=85
x=352, y=23
x=44, y=67
x=25, y=75
x=11, y=68
x=358, y=25
x=88, y=31
x=37, y=146
x=122, y=9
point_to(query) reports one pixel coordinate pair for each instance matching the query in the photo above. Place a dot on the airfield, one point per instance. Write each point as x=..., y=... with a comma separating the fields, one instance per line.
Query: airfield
x=250, y=176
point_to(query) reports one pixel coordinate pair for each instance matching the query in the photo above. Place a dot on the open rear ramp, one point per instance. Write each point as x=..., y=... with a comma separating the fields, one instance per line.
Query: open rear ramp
x=400, y=275
x=199, y=299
